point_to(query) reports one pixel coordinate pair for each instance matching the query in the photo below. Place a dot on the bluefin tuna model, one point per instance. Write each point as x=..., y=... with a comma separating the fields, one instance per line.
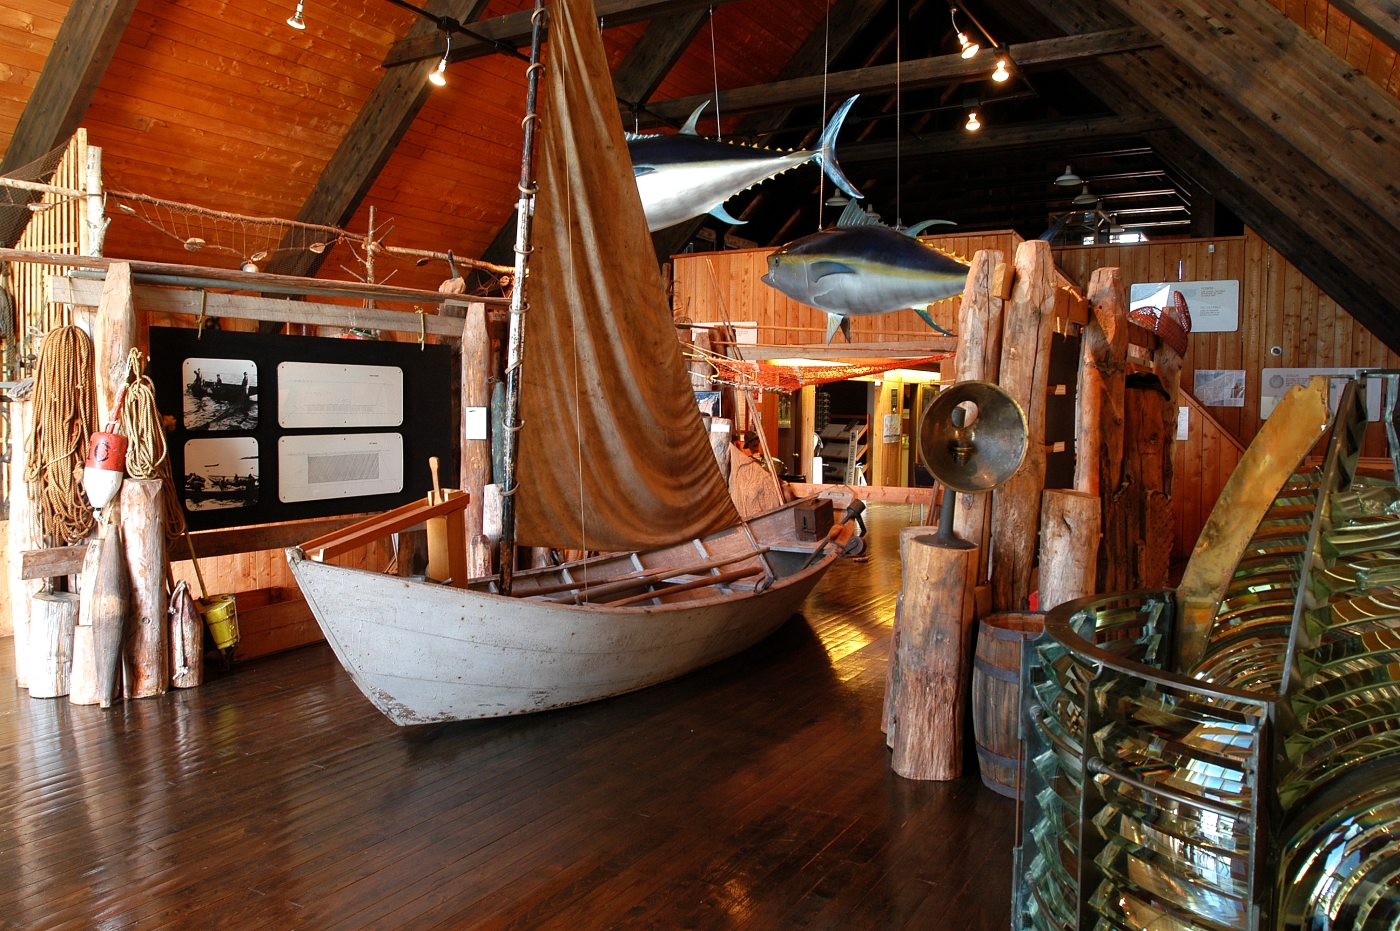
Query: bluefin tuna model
x=862, y=266
x=686, y=175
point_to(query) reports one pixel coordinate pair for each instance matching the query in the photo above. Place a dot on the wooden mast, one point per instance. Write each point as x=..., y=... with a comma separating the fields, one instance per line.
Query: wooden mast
x=524, y=213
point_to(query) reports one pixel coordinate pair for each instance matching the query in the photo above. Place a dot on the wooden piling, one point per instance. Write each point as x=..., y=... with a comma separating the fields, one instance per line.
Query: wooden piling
x=145, y=667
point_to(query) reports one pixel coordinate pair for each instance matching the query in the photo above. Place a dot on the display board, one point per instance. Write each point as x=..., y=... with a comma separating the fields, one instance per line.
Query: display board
x=273, y=428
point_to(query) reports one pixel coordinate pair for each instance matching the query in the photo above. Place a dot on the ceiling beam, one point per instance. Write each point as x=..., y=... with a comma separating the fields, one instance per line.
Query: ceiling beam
x=86, y=41
x=912, y=75
x=1381, y=18
x=1012, y=136
x=1274, y=70
x=513, y=30
x=365, y=149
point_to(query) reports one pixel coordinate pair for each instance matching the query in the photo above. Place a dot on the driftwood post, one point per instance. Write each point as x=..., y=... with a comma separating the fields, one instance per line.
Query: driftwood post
x=54, y=616
x=933, y=661
x=1103, y=364
x=1069, y=546
x=979, y=359
x=22, y=535
x=476, y=393
x=143, y=535
x=114, y=335
x=1025, y=363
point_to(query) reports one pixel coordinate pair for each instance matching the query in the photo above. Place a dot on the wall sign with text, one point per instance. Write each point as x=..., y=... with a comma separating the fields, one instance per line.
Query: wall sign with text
x=1214, y=305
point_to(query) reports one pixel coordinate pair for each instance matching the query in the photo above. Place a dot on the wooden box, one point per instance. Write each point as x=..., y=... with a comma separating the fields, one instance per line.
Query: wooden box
x=814, y=518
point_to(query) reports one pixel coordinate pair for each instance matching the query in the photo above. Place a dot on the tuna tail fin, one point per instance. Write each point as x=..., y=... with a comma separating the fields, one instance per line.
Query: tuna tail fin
x=1055, y=228
x=924, y=315
x=689, y=128
x=719, y=213
x=835, y=322
x=826, y=151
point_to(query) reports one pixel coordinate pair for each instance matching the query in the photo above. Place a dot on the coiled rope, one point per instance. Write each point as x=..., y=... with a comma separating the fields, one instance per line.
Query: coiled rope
x=65, y=411
x=146, y=453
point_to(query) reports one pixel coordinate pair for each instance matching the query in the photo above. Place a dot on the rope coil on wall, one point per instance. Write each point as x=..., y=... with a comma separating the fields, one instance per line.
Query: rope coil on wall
x=65, y=411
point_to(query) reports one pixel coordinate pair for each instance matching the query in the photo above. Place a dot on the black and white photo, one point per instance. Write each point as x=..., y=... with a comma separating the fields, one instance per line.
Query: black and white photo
x=220, y=394
x=221, y=472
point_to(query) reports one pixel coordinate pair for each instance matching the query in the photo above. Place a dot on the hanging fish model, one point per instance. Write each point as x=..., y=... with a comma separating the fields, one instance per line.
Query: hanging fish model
x=685, y=175
x=862, y=266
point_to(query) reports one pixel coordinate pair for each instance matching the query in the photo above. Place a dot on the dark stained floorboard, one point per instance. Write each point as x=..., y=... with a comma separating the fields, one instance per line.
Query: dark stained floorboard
x=755, y=794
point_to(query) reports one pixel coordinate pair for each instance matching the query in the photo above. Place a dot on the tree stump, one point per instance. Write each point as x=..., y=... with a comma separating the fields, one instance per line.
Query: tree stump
x=1025, y=365
x=905, y=535
x=979, y=359
x=186, y=640
x=1069, y=546
x=146, y=669
x=932, y=674
x=52, y=619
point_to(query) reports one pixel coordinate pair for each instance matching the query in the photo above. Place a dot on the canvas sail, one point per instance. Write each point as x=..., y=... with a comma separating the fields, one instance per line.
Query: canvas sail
x=613, y=454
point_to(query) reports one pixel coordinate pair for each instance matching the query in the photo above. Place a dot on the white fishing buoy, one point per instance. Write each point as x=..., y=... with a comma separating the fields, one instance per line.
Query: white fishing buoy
x=104, y=468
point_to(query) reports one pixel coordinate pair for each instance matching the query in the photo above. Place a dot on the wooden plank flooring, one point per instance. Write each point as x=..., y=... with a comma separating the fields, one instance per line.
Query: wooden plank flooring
x=754, y=794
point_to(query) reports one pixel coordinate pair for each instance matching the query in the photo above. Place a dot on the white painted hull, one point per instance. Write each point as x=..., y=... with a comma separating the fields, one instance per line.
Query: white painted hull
x=423, y=652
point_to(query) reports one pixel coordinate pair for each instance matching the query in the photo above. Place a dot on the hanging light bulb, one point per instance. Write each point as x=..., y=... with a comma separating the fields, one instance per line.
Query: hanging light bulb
x=972, y=124
x=1001, y=74
x=437, y=77
x=1069, y=178
x=1084, y=198
x=295, y=20
x=969, y=48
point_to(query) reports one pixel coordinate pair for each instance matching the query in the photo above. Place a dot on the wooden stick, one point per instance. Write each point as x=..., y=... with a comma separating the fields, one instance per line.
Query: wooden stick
x=646, y=578
x=476, y=393
x=720, y=579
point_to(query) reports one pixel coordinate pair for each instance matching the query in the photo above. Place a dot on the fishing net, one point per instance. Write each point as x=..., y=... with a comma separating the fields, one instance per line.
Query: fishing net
x=17, y=205
x=762, y=376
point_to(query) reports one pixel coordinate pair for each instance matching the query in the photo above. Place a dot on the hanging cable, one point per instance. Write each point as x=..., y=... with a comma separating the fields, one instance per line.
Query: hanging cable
x=65, y=414
x=826, y=69
x=714, y=63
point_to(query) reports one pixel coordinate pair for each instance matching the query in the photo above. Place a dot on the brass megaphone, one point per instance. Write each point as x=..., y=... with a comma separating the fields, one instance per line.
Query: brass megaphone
x=971, y=457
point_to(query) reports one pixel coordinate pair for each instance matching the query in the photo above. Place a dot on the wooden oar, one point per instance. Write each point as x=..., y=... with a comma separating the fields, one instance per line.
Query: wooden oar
x=622, y=585
x=707, y=581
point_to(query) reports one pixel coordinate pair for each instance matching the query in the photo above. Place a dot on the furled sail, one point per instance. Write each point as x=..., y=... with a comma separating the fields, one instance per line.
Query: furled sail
x=613, y=455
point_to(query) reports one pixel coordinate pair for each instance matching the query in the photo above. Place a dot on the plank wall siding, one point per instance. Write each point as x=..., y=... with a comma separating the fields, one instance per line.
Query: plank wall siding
x=1201, y=465
x=717, y=286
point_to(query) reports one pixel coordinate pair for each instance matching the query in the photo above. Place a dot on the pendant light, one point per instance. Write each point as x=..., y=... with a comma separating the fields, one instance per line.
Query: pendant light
x=295, y=20
x=969, y=48
x=1084, y=198
x=437, y=77
x=1001, y=74
x=1069, y=178
x=837, y=200
x=972, y=124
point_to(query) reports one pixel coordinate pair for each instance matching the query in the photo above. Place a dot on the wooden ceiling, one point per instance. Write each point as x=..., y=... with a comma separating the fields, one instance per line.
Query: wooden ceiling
x=227, y=107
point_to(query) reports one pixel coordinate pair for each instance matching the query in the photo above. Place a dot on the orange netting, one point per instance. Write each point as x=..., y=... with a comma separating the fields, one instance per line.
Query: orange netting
x=761, y=376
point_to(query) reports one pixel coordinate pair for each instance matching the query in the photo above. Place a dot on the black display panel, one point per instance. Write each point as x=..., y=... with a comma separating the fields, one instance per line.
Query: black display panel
x=221, y=390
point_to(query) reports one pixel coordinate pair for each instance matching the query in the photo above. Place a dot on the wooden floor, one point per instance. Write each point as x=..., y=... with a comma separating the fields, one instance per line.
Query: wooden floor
x=753, y=794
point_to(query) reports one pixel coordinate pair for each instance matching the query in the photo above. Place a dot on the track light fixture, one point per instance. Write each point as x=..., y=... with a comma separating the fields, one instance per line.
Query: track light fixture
x=295, y=20
x=1069, y=178
x=972, y=124
x=969, y=48
x=437, y=77
x=1001, y=74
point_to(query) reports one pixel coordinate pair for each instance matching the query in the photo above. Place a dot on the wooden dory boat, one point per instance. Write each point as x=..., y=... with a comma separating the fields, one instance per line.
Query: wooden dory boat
x=424, y=652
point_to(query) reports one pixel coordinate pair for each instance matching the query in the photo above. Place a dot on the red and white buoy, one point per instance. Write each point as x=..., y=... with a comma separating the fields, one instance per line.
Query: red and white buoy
x=104, y=468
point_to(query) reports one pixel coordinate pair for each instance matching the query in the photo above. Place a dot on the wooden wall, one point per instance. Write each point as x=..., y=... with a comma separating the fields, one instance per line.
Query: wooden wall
x=1278, y=307
x=715, y=286
x=1201, y=464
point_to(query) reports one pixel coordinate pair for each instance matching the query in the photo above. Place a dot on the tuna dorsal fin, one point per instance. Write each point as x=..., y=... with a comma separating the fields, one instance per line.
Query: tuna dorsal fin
x=689, y=128
x=854, y=216
x=918, y=228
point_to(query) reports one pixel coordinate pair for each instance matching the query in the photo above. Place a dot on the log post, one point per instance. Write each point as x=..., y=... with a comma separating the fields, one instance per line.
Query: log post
x=146, y=669
x=979, y=359
x=114, y=335
x=1167, y=364
x=186, y=640
x=933, y=661
x=1025, y=362
x=905, y=535
x=476, y=395
x=22, y=534
x=1149, y=521
x=1069, y=546
x=52, y=620
x=1103, y=359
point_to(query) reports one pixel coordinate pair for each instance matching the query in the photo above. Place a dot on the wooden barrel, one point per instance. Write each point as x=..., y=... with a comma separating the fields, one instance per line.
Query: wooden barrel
x=996, y=696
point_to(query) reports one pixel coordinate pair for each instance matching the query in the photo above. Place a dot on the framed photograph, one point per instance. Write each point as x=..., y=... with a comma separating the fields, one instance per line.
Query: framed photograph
x=315, y=467
x=327, y=395
x=220, y=394
x=221, y=473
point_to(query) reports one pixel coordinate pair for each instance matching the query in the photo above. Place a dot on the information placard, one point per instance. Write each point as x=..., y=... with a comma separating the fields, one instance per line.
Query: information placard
x=1214, y=305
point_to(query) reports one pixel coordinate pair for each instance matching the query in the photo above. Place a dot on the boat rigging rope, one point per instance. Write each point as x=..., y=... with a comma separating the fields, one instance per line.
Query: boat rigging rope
x=65, y=412
x=147, y=455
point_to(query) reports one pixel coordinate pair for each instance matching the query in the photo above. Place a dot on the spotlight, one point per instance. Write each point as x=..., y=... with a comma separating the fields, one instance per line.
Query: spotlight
x=969, y=48
x=1084, y=198
x=437, y=76
x=1001, y=74
x=295, y=20
x=1069, y=178
x=972, y=124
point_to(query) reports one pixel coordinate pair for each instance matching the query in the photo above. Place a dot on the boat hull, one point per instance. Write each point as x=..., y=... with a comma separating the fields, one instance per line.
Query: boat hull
x=423, y=653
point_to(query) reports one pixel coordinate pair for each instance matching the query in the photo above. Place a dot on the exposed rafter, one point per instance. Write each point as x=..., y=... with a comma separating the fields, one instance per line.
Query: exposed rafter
x=913, y=75
x=513, y=29
x=1102, y=129
x=371, y=139
x=81, y=51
